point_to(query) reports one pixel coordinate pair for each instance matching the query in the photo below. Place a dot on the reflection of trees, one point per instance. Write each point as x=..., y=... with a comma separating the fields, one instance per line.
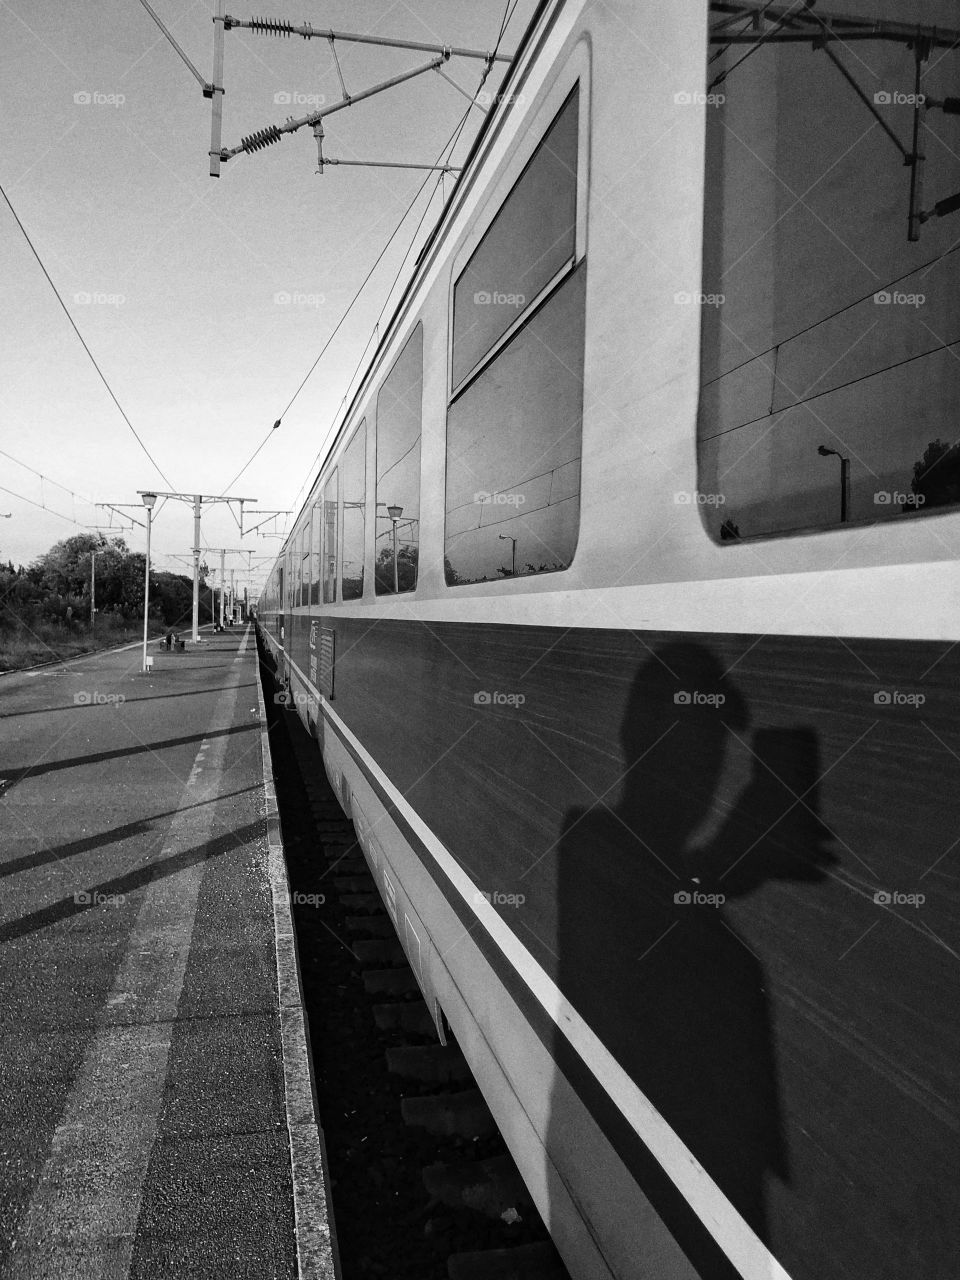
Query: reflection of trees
x=353, y=585
x=936, y=476
x=407, y=555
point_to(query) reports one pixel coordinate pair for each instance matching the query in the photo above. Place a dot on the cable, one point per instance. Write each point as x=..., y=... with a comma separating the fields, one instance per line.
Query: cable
x=82, y=342
x=26, y=466
x=69, y=519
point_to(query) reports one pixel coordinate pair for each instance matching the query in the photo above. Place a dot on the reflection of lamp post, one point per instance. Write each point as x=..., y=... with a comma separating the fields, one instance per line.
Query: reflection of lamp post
x=148, y=500
x=395, y=513
x=844, y=477
x=505, y=537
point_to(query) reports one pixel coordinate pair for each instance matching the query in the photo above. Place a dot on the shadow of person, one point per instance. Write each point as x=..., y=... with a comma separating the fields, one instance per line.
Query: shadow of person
x=646, y=953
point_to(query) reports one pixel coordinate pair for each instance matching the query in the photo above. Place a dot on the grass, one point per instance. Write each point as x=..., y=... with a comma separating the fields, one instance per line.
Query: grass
x=22, y=646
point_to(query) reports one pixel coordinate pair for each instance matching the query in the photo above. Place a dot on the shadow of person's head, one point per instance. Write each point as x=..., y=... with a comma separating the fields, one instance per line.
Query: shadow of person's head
x=680, y=712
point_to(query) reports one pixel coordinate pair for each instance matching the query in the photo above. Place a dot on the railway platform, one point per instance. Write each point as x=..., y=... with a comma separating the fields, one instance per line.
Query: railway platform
x=156, y=1107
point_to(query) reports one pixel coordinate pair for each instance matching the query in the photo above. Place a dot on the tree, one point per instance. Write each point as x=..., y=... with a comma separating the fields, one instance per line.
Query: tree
x=936, y=476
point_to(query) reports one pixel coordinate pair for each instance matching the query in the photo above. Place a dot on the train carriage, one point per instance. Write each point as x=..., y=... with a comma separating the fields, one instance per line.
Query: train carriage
x=624, y=609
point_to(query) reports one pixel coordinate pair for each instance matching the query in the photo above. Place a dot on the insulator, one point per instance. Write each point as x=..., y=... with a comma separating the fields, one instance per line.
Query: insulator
x=272, y=26
x=262, y=138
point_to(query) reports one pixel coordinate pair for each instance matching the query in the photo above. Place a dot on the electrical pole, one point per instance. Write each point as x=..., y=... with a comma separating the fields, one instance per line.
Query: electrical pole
x=93, y=589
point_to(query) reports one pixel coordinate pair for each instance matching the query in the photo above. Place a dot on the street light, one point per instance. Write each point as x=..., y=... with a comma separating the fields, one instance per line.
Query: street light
x=824, y=452
x=395, y=513
x=148, y=500
x=505, y=537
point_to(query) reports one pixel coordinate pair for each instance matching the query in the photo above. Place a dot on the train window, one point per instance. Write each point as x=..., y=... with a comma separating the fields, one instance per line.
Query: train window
x=830, y=364
x=305, y=564
x=398, y=470
x=529, y=241
x=330, y=539
x=316, y=525
x=514, y=425
x=354, y=468
x=513, y=451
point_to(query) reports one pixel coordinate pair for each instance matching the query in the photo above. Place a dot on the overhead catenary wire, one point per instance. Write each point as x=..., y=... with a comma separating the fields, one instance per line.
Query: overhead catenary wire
x=83, y=343
x=78, y=497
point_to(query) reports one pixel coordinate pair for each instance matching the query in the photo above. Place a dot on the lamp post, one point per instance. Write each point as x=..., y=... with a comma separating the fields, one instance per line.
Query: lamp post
x=93, y=589
x=148, y=500
x=844, y=477
x=395, y=513
x=505, y=537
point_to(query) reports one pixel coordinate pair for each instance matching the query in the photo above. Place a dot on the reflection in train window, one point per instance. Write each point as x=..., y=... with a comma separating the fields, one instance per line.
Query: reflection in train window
x=354, y=477
x=316, y=525
x=330, y=539
x=830, y=361
x=398, y=470
x=303, y=575
x=529, y=241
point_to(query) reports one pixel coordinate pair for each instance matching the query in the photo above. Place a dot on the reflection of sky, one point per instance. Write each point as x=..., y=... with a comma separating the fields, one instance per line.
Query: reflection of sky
x=513, y=447
x=799, y=321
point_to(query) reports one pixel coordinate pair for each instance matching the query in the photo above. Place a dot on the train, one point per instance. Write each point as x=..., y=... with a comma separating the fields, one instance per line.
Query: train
x=624, y=610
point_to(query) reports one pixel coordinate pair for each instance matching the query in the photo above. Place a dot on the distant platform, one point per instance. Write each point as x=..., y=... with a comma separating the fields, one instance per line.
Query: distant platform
x=156, y=1110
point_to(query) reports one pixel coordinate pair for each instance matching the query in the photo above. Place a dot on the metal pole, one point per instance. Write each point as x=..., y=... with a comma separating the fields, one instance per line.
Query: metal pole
x=93, y=589
x=396, y=575
x=146, y=588
x=216, y=93
x=233, y=595
x=844, y=486
x=223, y=583
x=196, y=568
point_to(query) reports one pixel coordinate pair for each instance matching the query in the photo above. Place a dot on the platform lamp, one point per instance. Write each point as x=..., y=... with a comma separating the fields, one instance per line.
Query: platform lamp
x=148, y=500
x=395, y=513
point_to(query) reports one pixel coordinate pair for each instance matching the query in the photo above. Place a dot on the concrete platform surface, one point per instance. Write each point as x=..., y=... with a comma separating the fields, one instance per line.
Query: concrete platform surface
x=156, y=1114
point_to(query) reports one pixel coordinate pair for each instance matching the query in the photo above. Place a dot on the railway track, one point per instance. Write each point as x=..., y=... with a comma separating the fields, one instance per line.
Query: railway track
x=422, y=1183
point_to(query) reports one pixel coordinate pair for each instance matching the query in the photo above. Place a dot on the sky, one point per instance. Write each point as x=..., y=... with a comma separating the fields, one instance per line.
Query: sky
x=204, y=301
